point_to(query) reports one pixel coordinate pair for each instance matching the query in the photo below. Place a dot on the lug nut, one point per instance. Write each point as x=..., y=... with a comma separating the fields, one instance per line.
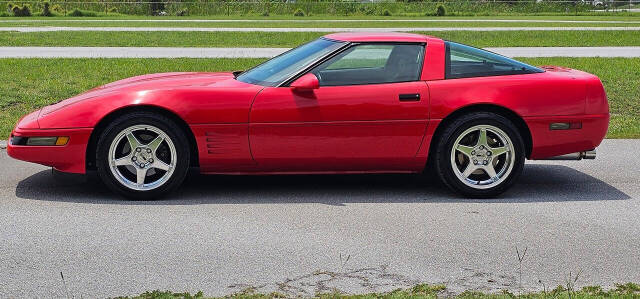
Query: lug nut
x=473, y=152
x=485, y=162
x=148, y=150
x=481, y=147
x=133, y=158
x=488, y=153
x=138, y=150
x=150, y=160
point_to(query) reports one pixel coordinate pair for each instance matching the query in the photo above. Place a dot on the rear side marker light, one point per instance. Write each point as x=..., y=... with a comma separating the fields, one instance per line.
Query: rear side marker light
x=565, y=126
x=39, y=141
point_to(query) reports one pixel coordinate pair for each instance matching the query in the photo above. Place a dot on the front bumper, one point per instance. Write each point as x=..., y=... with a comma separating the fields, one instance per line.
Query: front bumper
x=66, y=158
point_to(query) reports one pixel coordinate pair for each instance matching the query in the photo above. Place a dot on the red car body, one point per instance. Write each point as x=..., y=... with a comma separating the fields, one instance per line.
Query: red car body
x=243, y=128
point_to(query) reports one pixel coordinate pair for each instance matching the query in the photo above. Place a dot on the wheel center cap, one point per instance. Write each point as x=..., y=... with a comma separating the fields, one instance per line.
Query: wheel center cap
x=142, y=156
x=482, y=154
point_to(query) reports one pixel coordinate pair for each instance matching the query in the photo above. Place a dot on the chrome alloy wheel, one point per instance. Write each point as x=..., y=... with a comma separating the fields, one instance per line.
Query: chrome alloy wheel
x=142, y=157
x=482, y=156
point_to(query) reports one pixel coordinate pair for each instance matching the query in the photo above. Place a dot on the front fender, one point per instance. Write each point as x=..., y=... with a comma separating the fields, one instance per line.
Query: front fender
x=197, y=105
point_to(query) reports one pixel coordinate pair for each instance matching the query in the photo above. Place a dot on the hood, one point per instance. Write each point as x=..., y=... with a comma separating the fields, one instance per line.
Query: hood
x=165, y=80
x=146, y=82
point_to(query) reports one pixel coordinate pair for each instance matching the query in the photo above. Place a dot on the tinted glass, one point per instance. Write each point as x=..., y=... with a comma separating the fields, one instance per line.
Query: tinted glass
x=280, y=68
x=372, y=64
x=366, y=56
x=464, y=61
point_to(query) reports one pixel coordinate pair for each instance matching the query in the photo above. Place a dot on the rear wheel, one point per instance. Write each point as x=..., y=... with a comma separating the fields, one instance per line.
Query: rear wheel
x=142, y=156
x=480, y=155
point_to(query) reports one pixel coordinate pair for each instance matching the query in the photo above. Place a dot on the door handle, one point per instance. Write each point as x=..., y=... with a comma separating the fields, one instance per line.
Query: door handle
x=409, y=97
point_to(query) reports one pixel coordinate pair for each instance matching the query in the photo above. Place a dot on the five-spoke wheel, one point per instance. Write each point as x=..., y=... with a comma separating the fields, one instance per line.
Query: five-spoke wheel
x=479, y=155
x=482, y=156
x=142, y=155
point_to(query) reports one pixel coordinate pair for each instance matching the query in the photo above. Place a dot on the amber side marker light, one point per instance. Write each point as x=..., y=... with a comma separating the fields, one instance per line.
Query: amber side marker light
x=39, y=141
x=62, y=140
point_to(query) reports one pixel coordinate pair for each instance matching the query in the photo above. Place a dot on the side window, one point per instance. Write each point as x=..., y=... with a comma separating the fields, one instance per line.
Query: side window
x=464, y=61
x=372, y=64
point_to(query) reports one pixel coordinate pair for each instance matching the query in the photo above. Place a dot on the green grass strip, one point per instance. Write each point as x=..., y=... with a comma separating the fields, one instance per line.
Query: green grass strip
x=292, y=39
x=426, y=291
x=29, y=84
x=612, y=16
x=322, y=24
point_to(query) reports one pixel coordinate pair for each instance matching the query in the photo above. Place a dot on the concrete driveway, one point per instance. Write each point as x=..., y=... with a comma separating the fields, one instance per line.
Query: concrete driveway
x=305, y=234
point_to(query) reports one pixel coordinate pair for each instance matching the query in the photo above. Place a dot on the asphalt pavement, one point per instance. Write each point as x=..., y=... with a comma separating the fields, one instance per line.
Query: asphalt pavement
x=305, y=234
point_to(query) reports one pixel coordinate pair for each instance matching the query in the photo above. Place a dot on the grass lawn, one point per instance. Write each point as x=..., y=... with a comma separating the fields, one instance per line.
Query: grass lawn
x=309, y=23
x=292, y=39
x=628, y=290
x=625, y=16
x=32, y=83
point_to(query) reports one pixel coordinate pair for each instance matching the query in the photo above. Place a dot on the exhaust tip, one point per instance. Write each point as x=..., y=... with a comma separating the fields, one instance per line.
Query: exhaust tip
x=589, y=155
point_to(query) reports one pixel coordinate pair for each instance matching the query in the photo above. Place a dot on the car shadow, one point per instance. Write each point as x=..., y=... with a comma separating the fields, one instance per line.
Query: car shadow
x=539, y=183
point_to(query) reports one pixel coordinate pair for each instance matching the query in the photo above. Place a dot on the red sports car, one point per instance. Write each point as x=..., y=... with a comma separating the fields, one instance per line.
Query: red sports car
x=344, y=103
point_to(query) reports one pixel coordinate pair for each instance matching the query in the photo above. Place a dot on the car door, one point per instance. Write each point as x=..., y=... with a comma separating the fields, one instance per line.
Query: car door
x=369, y=114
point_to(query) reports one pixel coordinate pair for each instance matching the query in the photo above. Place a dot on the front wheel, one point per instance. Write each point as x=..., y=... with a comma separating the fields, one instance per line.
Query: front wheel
x=480, y=155
x=142, y=156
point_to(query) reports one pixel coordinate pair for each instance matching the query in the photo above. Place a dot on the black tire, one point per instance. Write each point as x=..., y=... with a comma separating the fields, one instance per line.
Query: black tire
x=444, y=146
x=170, y=128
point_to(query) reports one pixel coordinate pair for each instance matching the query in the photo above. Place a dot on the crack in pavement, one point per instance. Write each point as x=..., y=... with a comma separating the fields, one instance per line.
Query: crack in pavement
x=375, y=280
x=478, y=280
x=363, y=280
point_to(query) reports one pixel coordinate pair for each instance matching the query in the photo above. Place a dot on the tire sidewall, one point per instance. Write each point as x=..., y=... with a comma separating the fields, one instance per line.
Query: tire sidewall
x=166, y=125
x=447, y=141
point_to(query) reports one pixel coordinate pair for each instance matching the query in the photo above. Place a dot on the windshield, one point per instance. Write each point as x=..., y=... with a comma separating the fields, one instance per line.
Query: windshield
x=280, y=68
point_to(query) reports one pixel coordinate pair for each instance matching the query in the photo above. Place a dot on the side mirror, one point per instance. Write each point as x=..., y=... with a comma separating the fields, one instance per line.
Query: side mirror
x=307, y=82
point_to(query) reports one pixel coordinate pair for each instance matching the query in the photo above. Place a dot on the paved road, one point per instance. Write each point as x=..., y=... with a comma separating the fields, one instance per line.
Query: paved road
x=619, y=9
x=568, y=51
x=310, y=29
x=162, y=52
x=302, y=234
x=137, y=52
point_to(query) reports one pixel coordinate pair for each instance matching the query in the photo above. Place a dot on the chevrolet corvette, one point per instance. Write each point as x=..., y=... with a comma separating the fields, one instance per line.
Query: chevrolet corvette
x=344, y=103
